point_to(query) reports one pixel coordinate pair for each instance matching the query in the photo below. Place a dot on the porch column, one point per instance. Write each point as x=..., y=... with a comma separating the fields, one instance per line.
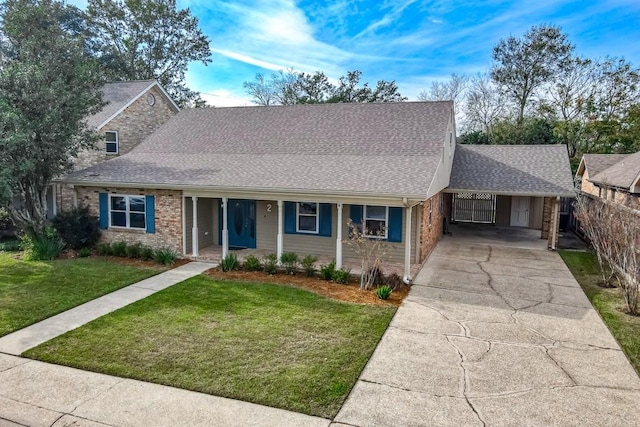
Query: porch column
x=280, y=236
x=194, y=228
x=225, y=229
x=407, y=244
x=339, y=237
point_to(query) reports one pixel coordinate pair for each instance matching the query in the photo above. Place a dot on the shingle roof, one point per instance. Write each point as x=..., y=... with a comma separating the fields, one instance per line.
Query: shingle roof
x=622, y=173
x=117, y=95
x=540, y=170
x=380, y=148
x=596, y=163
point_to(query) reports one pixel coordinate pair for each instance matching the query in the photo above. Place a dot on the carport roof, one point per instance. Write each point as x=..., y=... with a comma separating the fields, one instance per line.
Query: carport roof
x=526, y=170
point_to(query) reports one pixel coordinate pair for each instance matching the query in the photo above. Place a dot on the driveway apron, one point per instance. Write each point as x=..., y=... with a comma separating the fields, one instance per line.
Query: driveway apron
x=497, y=335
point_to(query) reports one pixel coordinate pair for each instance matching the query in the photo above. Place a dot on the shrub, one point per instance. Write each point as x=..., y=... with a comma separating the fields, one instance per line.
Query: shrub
x=6, y=223
x=384, y=292
x=77, y=227
x=146, y=253
x=84, y=252
x=289, y=261
x=165, y=256
x=134, y=251
x=10, y=246
x=342, y=276
x=376, y=277
x=105, y=249
x=252, y=263
x=394, y=281
x=309, y=265
x=119, y=249
x=270, y=263
x=40, y=248
x=327, y=271
x=230, y=262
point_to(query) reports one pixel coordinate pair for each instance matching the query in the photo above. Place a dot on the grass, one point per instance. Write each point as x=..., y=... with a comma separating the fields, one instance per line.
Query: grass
x=31, y=291
x=264, y=343
x=608, y=301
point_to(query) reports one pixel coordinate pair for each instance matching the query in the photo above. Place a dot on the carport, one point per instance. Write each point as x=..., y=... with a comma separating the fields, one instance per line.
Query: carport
x=517, y=186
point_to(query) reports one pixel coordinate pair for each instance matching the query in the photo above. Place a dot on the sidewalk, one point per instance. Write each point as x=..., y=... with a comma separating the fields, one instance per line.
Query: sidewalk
x=20, y=341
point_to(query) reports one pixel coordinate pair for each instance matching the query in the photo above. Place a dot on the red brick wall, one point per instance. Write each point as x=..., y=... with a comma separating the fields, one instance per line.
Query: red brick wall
x=548, y=210
x=431, y=226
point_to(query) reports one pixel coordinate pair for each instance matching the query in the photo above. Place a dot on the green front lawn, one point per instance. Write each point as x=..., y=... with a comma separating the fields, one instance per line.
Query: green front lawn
x=608, y=301
x=264, y=343
x=31, y=291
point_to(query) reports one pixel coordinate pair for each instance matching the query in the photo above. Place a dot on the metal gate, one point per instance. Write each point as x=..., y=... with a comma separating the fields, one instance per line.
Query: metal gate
x=474, y=207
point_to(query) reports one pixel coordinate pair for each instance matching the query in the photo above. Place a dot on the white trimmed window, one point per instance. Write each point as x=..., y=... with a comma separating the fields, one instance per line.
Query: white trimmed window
x=376, y=221
x=307, y=218
x=127, y=212
x=111, y=142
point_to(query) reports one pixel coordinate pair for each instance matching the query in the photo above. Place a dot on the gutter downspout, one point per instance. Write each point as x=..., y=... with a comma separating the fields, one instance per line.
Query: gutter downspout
x=407, y=242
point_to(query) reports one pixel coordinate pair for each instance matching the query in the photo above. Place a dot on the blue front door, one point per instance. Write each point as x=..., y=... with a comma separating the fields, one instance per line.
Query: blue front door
x=241, y=223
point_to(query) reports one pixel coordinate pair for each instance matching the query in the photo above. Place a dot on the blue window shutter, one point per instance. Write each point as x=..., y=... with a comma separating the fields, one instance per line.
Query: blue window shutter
x=355, y=214
x=150, y=202
x=326, y=213
x=290, y=217
x=104, y=210
x=395, y=224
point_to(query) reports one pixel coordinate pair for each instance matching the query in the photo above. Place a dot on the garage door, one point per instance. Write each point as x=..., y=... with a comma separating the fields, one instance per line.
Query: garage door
x=474, y=207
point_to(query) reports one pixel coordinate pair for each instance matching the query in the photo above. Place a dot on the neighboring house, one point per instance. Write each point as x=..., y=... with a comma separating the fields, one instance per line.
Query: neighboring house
x=134, y=110
x=614, y=177
x=288, y=178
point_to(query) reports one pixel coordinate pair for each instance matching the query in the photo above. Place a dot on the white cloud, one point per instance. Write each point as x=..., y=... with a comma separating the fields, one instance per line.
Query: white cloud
x=225, y=98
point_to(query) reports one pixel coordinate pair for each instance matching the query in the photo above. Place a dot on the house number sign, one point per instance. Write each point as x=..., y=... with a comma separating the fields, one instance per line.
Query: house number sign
x=269, y=206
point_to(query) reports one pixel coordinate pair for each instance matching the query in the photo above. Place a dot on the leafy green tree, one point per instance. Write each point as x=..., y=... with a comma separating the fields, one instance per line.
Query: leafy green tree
x=48, y=86
x=148, y=39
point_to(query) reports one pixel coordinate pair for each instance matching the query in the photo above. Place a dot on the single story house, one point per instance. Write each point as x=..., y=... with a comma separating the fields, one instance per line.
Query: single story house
x=288, y=178
x=614, y=177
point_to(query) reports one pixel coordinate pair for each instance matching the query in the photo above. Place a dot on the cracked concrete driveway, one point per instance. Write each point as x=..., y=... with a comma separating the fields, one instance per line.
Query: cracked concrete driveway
x=497, y=335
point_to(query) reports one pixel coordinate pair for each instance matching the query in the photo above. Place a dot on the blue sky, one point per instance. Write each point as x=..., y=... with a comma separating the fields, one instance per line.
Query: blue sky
x=413, y=42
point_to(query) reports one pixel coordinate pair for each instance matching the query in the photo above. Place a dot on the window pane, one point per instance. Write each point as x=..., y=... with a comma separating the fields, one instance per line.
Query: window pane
x=118, y=219
x=111, y=147
x=136, y=220
x=111, y=137
x=118, y=204
x=376, y=212
x=307, y=208
x=375, y=227
x=136, y=204
x=307, y=223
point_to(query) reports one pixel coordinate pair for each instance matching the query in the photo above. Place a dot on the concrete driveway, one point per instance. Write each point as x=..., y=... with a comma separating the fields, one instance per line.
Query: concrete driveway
x=495, y=333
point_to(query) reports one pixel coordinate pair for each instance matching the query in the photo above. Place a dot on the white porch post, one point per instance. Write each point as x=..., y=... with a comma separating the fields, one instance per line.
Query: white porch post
x=280, y=237
x=407, y=244
x=194, y=228
x=339, y=237
x=225, y=229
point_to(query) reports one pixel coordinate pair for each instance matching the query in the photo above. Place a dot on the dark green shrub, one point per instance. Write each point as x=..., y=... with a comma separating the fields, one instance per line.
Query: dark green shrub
x=41, y=248
x=342, y=276
x=376, y=277
x=146, y=253
x=104, y=249
x=84, y=252
x=384, y=292
x=328, y=271
x=119, y=249
x=289, y=261
x=10, y=246
x=309, y=265
x=134, y=251
x=165, y=256
x=270, y=264
x=77, y=227
x=252, y=263
x=394, y=281
x=230, y=262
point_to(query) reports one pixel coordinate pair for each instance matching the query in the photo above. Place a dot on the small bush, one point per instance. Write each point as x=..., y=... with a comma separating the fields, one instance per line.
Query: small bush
x=289, y=261
x=42, y=248
x=146, y=253
x=342, y=276
x=10, y=246
x=384, y=292
x=77, y=227
x=84, y=252
x=119, y=249
x=394, y=281
x=134, y=251
x=327, y=271
x=252, y=263
x=376, y=277
x=165, y=256
x=270, y=264
x=230, y=262
x=105, y=249
x=309, y=265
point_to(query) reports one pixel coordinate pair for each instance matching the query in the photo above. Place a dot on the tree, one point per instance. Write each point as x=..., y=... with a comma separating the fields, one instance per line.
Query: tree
x=451, y=90
x=484, y=106
x=522, y=65
x=48, y=86
x=148, y=39
x=261, y=90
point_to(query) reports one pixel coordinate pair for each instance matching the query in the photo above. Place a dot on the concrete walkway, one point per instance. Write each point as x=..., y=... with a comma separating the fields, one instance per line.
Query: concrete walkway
x=496, y=335
x=18, y=342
